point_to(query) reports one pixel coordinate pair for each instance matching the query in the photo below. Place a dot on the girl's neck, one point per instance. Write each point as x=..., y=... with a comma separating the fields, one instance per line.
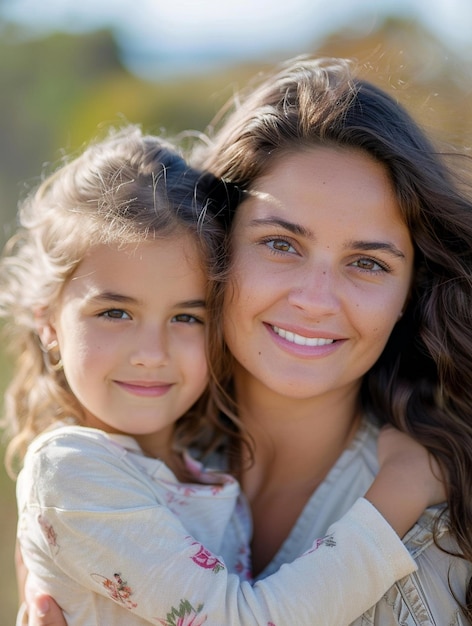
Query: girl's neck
x=159, y=446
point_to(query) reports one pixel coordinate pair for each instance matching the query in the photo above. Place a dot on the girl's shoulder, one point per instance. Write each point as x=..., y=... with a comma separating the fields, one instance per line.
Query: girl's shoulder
x=70, y=465
x=71, y=437
x=61, y=454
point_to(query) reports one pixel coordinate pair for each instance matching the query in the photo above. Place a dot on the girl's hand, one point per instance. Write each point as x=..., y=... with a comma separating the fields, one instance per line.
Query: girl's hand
x=38, y=608
x=43, y=611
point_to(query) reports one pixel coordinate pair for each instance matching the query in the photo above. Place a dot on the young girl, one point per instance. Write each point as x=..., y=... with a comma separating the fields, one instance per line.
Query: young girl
x=104, y=287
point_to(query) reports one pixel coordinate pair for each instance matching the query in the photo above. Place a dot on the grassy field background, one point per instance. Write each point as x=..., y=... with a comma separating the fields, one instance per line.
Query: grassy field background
x=8, y=517
x=8, y=595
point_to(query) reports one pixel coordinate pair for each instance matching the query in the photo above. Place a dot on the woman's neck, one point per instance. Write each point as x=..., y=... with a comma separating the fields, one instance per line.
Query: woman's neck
x=287, y=429
x=297, y=440
x=295, y=444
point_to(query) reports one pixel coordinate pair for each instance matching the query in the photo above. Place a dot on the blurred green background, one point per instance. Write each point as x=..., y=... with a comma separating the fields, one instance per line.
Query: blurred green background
x=58, y=89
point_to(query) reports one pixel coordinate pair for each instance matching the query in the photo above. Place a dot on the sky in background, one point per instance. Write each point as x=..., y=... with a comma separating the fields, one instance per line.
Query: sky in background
x=156, y=37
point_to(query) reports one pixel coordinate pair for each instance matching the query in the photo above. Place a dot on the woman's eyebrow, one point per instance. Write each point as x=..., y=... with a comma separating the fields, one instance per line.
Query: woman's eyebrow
x=387, y=246
x=298, y=229
x=292, y=227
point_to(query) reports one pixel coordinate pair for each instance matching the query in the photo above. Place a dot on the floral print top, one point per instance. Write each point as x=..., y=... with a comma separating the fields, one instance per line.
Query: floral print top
x=116, y=539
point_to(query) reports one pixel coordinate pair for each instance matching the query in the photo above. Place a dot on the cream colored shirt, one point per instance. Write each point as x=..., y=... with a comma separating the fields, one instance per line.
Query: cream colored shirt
x=117, y=540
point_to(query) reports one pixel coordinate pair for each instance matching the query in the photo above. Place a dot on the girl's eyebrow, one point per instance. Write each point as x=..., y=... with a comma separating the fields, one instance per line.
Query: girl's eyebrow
x=298, y=229
x=110, y=296
x=192, y=304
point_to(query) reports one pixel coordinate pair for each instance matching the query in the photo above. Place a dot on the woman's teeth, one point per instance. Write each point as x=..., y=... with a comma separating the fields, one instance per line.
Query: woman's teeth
x=300, y=339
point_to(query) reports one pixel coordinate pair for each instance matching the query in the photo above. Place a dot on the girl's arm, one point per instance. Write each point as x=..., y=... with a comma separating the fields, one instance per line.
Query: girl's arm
x=409, y=480
x=318, y=588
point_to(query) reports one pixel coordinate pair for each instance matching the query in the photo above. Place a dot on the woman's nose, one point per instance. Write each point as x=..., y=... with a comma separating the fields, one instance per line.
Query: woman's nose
x=315, y=291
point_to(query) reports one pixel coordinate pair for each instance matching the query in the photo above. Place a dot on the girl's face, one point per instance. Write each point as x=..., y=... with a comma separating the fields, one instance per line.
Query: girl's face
x=322, y=271
x=129, y=325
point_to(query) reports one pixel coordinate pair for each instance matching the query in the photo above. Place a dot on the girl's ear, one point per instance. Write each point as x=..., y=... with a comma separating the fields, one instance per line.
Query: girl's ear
x=45, y=327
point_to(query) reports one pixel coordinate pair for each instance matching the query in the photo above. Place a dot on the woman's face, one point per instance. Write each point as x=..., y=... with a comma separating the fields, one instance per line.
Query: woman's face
x=322, y=271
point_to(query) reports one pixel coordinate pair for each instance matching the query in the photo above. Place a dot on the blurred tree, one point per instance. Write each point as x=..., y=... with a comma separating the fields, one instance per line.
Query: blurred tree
x=57, y=92
x=433, y=81
x=41, y=81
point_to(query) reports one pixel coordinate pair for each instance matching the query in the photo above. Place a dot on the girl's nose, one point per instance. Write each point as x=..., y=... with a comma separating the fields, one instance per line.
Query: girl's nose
x=151, y=348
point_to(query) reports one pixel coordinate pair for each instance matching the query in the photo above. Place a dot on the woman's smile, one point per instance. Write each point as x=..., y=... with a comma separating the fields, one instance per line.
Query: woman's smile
x=302, y=345
x=322, y=266
x=301, y=340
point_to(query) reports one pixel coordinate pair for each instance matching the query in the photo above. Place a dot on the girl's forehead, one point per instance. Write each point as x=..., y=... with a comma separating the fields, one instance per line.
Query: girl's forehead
x=168, y=270
x=181, y=245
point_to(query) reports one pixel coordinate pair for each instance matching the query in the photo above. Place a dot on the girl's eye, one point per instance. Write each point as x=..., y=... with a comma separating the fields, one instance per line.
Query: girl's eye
x=116, y=314
x=279, y=245
x=186, y=318
x=370, y=265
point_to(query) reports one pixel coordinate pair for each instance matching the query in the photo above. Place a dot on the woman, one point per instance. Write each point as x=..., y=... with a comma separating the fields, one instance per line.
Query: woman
x=347, y=306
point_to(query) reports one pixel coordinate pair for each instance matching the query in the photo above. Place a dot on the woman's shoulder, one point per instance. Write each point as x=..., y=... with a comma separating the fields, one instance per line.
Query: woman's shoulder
x=421, y=536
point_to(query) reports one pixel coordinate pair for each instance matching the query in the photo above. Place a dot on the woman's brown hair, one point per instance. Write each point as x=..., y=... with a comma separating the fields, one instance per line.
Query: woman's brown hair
x=422, y=382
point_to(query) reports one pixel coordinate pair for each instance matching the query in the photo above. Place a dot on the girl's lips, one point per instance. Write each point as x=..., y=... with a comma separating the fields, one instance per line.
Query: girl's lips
x=145, y=389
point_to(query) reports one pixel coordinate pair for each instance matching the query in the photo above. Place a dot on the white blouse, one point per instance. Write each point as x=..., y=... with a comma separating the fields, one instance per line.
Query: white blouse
x=117, y=540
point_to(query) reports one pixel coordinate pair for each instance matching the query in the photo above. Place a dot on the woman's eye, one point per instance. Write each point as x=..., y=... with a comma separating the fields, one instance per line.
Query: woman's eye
x=279, y=245
x=186, y=318
x=369, y=265
x=116, y=314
